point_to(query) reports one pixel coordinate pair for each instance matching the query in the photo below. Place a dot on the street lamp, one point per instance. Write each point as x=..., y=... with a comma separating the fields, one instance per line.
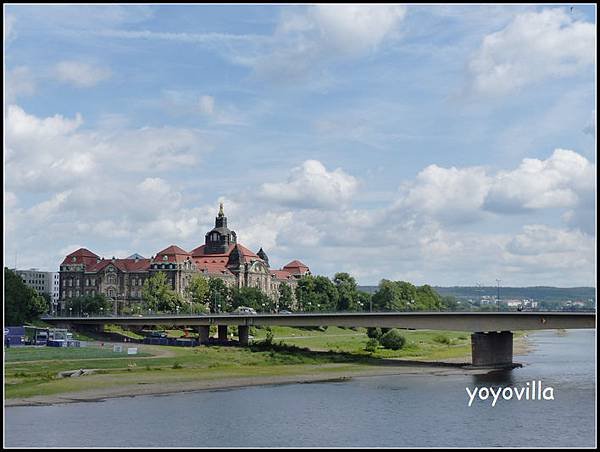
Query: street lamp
x=177, y=308
x=498, y=297
x=70, y=312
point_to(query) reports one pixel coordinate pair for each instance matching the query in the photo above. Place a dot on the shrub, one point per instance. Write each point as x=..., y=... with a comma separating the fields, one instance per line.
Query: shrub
x=374, y=333
x=392, y=340
x=441, y=339
x=371, y=345
x=177, y=366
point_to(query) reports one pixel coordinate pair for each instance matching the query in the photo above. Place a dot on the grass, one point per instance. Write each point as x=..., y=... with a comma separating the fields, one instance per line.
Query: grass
x=16, y=354
x=33, y=370
x=421, y=344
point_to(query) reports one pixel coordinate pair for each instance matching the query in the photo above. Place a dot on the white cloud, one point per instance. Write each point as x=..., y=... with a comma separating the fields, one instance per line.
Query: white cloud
x=447, y=194
x=535, y=46
x=81, y=74
x=355, y=29
x=304, y=41
x=565, y=180
x=312, y=186
x=559, y=181
x=52, y=153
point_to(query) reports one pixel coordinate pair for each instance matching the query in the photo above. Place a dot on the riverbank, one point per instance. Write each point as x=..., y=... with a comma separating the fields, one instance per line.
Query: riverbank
x=309, y=374
x=166, y=370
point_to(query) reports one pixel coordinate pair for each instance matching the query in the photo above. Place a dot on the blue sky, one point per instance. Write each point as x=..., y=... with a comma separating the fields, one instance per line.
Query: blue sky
x=446, y=145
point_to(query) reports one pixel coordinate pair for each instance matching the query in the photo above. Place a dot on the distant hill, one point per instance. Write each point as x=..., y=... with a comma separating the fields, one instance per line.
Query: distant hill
x=538, y=293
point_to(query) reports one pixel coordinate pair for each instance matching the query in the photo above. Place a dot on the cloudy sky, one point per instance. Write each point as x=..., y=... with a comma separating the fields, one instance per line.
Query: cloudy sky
x=448, y=145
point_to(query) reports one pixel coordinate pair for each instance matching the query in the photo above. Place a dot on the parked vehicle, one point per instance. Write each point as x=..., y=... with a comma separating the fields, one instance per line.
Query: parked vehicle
x=244, y=310
x=285, y=311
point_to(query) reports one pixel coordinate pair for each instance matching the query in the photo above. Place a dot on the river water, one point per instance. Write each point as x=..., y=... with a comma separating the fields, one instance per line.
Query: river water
x=368, y=411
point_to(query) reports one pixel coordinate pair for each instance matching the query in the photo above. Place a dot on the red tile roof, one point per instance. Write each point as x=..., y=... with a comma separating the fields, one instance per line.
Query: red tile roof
x=82, y=256
x=281, y=274
x=125, y=265
x=174, y=255
x=296, y=267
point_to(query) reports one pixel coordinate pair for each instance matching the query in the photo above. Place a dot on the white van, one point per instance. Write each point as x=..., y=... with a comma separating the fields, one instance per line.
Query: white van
x=244, y=310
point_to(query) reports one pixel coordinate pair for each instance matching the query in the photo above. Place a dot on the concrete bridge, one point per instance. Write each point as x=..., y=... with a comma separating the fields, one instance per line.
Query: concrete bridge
x=491, y=338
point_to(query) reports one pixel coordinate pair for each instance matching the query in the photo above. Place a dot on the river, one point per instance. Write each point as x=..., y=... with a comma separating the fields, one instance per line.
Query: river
x=388, y=411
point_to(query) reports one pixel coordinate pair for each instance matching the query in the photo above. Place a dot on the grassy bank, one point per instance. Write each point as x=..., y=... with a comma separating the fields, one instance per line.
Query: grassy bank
x=34, y=371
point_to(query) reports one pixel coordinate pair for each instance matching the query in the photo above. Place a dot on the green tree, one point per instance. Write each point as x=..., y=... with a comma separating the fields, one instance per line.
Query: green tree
x=427, y=299
x=89, y=304
x=252, y=297
x=197, y=290
x=286, y=298
x=21, y=303
x=347, y=292
x=392, y=340
x=158, y=295
x=219, y=296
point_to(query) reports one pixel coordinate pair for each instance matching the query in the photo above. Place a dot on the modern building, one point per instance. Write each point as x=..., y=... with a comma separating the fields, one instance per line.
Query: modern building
x=42, y=281
x=221, y=256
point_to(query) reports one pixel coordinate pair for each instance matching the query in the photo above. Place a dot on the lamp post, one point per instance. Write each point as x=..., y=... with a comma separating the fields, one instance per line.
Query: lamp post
x=498, y=297
x=70, y=311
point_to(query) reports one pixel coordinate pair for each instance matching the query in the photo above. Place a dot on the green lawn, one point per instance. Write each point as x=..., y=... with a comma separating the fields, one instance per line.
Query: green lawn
x=331, y=349
x=421, y=344
x=15, y=354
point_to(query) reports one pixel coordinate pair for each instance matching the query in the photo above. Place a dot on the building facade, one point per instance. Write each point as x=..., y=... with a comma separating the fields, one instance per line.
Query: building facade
x=221, y=256
x=42, y=282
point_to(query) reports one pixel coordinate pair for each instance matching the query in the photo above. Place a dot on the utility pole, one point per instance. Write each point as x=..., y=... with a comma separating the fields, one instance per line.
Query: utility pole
x=498, y=297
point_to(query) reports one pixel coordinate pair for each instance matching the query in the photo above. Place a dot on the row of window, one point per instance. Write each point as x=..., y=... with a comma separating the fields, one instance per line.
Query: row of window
x=110, y=279
x=110, y=292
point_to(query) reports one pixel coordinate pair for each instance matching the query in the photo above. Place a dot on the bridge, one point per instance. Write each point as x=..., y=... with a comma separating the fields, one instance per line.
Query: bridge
x=491, y=338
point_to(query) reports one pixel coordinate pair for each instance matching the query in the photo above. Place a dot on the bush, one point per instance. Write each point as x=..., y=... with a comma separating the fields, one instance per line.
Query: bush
x=371, y=345
x=441, y=339
x=392, y=340
x=374, y=333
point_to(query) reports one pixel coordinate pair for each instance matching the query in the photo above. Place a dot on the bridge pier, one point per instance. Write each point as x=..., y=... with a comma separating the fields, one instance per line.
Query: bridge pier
x=222, y=330
x=243, y=334
x=203, y=334
x=493, y=349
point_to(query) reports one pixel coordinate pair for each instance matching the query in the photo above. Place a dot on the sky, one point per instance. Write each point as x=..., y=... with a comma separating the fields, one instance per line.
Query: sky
x=437, y=144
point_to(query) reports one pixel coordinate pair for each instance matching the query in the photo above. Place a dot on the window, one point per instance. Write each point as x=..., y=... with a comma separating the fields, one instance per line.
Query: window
x=165, y=258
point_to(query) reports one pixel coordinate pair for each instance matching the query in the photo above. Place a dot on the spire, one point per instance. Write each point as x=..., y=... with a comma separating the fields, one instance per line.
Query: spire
x=263, y=256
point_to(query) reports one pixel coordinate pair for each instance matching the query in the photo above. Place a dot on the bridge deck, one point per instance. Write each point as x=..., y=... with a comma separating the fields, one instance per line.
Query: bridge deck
x=451, y=321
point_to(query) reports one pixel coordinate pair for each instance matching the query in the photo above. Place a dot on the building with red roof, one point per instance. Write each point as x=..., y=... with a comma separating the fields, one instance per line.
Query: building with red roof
x=221, y=256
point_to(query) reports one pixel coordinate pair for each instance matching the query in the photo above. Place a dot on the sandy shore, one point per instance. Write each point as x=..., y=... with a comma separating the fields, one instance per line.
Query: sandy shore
x=397, y=368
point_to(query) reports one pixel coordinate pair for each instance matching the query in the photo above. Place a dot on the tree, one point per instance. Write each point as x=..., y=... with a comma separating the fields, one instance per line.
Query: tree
x=403, y=296
x=392, y=340
x=89, y=304
x=252, y=297
x=286, y=298
x=197, y=290
x=316, y=293
x=21, y=303
x=427, y=299
x=158, y=295
x=219, y=296
x=347, y=293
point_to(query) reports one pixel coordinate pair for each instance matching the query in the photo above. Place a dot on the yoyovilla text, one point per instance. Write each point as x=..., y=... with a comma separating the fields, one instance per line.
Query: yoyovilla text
x=533, y=390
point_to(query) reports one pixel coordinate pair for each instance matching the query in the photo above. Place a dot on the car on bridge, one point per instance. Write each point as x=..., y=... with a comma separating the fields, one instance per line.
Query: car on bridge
x=244, y=310
x=285, y=311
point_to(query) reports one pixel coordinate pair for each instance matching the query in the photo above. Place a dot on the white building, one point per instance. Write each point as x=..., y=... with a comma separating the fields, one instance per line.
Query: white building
x=41, y=281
